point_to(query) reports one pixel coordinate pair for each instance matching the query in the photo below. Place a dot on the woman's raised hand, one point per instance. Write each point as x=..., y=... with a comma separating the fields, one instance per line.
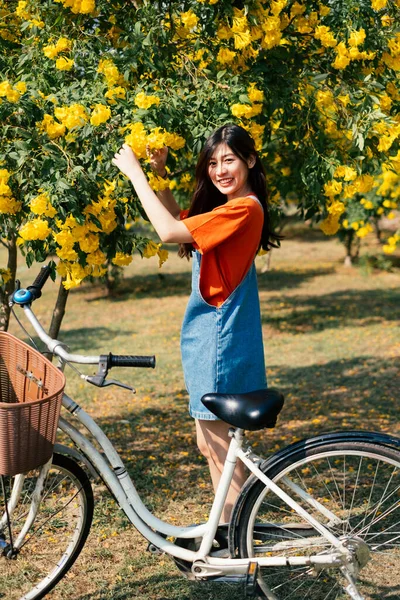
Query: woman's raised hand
x=158, y=160
x=126, y=161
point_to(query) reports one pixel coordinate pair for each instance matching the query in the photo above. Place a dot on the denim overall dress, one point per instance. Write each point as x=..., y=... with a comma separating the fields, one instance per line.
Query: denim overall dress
x=222, y=347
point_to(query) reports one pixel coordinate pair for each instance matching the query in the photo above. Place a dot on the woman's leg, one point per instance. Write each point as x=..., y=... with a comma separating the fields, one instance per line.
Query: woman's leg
x=213, y=442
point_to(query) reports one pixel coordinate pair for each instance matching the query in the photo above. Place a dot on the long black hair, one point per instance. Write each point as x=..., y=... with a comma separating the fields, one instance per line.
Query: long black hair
x=206, y=196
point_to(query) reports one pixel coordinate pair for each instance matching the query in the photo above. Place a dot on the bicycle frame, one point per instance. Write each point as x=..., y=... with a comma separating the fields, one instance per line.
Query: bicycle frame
x=119, y=482
x=114, y=474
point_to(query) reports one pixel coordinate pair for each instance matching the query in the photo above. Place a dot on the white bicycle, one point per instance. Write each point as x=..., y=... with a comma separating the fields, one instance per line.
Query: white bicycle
x=317, y=520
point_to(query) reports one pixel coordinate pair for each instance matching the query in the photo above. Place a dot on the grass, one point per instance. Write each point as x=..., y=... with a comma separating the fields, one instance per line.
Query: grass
x=332, y=344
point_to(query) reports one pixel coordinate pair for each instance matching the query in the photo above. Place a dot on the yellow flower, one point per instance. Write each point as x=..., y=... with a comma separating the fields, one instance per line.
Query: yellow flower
x=116, y=92
x=5, y=275
x=368, y=205
x=162, y=256
x=37, y=229
x=242, y=39
x=333, y=188
x=346, y=173
x=8, y=205
x=189, y=19
x=246, y=111
x=356, y=37
x=378, y=4
x=5, y=88
x=63, y=44
x=330, y=225
x=96, y=258
x=41, y=206
x=110, y=72
x=136, y=139
x=83, y=7
x=72, y=116
x=143, y=101
x=224, y=32
x=21, y=87
x=100, y=114
x=254, y=94
x=151, y=249
x=336, y=208
x=325, y=36
x=225, y=56
x=64, y=64
x=257, y=132
x=158, y=184
x=121, y=259
x=174, y=141
x=89, y=243
x=51, y=127
x=364, y=230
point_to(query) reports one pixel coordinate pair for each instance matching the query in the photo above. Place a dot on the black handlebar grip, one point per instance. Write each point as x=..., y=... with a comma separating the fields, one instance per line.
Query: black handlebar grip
x=115, y=360
x=39, y=282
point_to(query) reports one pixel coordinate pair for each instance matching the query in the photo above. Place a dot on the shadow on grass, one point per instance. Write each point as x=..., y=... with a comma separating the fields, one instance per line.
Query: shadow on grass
x=154, y=587
x=302, y=314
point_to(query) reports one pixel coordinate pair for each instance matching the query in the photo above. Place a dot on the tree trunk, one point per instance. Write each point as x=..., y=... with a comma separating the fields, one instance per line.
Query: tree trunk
x=9, y=287
x=59, y=311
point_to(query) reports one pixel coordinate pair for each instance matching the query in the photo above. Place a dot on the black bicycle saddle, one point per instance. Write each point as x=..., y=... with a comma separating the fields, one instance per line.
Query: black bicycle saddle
x=252, y=411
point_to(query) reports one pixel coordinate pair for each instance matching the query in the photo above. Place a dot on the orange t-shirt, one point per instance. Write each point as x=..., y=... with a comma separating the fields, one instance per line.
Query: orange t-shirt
x=228, y=238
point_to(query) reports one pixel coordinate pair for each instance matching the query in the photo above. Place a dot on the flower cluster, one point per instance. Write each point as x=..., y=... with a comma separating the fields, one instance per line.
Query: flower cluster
x=53, y=50
x=143, y=101
x=139, y=140
x=185, y=24
x=121, y=259
x=392, y=242
x=153, y=249
x=41, y=205
x=36, y=229
x=8, y=204
x=83, y=7
x=12, y=93
x=114, y=80
x=100, y=114
x=22, y=12
x=72, y=116
x=50, y=126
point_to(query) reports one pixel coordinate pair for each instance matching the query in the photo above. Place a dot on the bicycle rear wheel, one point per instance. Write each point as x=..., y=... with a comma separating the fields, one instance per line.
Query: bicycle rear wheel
x=358, y=487
x=55, y=538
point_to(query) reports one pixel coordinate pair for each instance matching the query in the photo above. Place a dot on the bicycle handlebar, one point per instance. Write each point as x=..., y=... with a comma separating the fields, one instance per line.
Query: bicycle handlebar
x=121, y=360
x=41, y=278
x=25, y=296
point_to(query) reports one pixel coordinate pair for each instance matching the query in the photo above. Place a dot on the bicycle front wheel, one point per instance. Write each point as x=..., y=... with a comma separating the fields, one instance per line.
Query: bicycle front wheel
x=56, y=536
x=353, y=489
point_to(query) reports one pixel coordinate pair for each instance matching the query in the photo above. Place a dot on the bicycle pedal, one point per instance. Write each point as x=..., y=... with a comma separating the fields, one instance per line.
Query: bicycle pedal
x=251, y=580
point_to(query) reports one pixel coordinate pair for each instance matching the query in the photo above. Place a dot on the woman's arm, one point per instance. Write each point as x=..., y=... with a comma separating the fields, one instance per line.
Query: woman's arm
x=158, y=161
x=168, y=226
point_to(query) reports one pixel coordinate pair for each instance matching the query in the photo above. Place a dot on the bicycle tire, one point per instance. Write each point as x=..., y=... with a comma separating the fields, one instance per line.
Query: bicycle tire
x=57, y=535
x=360, y=484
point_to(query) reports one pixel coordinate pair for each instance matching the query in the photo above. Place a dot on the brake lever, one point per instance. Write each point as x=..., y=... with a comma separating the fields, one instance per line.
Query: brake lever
x=99, y=381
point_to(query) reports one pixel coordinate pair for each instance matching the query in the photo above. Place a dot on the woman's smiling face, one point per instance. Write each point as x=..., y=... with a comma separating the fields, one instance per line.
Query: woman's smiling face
x=229, y=173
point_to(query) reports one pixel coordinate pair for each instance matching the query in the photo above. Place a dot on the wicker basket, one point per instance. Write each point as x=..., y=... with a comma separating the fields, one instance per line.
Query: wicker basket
x=31, y=390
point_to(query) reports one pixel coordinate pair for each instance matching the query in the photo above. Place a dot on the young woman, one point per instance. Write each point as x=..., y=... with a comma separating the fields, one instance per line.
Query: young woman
x=228, y=221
